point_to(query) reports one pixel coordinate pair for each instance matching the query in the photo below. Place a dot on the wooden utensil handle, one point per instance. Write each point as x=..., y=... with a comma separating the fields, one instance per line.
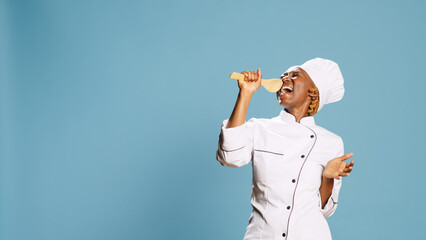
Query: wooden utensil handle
x=272, y=85
x=239, y=76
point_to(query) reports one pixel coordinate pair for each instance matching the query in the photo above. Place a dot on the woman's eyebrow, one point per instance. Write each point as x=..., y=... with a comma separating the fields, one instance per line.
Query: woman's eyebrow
x=287, y=73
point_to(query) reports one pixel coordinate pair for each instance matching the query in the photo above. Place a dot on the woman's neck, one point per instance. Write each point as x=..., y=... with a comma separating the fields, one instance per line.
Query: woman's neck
x=299, y=113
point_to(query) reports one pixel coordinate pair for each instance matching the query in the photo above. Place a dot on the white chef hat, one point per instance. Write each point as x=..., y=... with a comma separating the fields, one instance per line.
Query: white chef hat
x=327, y=77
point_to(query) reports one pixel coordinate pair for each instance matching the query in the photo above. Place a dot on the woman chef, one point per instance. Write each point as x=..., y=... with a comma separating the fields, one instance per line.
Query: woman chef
x=297, y=165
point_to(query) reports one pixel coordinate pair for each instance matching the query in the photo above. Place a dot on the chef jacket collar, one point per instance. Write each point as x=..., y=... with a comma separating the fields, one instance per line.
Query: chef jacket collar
x=288, y=117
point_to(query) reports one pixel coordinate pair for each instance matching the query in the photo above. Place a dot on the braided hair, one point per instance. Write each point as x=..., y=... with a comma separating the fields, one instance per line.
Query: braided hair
x=313, y=106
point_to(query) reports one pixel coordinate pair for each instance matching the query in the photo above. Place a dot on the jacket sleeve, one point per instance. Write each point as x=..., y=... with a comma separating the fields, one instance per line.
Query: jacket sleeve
x=331, y=205
x=235, y=146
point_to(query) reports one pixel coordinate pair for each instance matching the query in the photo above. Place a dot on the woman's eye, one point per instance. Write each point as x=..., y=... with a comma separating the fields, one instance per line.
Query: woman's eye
x=294, y=76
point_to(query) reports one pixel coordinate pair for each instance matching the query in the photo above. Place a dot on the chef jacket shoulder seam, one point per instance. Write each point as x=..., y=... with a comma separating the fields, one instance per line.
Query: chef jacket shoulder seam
x=328, y=132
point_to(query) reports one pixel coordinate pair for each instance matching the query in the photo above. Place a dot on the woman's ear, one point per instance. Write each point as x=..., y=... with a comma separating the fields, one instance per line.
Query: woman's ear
x=313, y=92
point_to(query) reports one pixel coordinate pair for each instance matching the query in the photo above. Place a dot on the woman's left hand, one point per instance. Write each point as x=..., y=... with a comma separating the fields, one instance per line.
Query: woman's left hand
x=337, y=168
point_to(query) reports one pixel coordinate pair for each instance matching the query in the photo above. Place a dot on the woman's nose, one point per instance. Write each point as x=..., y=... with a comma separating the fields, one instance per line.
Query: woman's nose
x=286, y=79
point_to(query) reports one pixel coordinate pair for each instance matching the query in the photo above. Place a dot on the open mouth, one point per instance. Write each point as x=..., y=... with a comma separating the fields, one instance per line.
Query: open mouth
x=286, y=89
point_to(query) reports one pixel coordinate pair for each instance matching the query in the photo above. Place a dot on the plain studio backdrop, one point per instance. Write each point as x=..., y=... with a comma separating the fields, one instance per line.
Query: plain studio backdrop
x=111, y=112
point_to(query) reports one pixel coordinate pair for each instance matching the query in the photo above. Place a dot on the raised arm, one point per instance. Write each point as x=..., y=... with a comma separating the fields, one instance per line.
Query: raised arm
x=247, y=87
x=236, y=136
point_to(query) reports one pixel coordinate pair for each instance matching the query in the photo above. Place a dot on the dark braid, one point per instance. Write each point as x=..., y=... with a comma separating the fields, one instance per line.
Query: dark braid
x=313, y=106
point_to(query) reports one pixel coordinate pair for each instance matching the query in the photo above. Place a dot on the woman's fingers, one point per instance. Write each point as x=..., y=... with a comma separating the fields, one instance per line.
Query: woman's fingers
x=251, y=76
x=346, y=156
x=338, y=168
x=246, y=75
x=347, y=168
x=346, y=172
x=350, y=167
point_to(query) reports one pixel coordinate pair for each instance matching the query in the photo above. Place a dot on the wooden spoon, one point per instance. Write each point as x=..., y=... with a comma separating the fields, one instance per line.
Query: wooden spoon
x=272, y=85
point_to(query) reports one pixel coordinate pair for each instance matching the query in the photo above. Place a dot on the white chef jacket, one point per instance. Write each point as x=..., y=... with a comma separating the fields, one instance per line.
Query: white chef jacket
x=288, y=159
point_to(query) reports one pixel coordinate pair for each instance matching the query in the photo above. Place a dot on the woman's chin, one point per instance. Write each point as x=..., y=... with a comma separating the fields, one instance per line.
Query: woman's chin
x=284, y=100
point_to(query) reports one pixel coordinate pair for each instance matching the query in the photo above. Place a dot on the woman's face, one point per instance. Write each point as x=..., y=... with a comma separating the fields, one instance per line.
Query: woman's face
x=294, y=92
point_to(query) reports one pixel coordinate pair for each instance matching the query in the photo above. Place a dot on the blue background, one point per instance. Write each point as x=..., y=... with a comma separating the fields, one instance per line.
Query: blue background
x=111, y=111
